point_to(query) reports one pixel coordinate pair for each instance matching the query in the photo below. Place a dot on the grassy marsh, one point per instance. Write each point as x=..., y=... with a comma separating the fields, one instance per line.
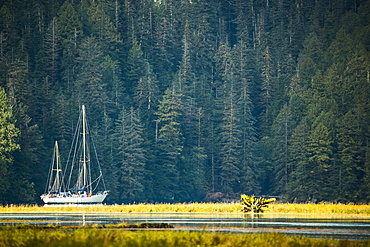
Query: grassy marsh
x=347, y=210
x=109, y=238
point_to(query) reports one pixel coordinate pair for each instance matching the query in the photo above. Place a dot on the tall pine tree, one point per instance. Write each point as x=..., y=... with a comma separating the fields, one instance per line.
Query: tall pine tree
x=131, y=156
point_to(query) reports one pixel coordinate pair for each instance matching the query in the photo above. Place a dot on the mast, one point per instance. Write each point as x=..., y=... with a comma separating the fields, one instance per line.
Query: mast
x=57, y=180
x=84, y=146
x=58, y=169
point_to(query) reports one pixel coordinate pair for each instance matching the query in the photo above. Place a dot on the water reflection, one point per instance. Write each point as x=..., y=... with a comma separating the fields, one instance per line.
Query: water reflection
x=351, y=228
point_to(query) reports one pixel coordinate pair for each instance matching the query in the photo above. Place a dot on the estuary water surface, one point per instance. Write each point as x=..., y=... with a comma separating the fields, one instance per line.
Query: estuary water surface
x=325, y=227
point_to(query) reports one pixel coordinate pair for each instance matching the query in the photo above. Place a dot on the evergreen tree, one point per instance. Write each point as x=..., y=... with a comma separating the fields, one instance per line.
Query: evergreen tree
x=136, y=67
x=267, y=81
x=69, y=25
x=113, y=77
x=201, y=36
x=351, y=157
x=9, y=143
x=169, y=146
x=228, y=133
x=7, y=30
x=141, y=22
x=20, y=92
x=52, y=51
x=103, y=28
x=245, y=75
x=131, y=162
x=320, y=157
x=60, y=122
x=191, y=168
x=163, y=49
x=366, y=178
x=70, y=31
x=300, y=179
x=104, y=138
x=147, y=92
x=89, y=87
x=31, y=166
x=230, y=147
x=281, y=135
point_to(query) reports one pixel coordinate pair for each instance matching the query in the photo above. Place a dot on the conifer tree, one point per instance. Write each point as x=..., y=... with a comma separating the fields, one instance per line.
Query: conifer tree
x=107, y=152
x=9, y=143
x=320, y=157
x=114, y=88
x=366, y=178
x=136, y=67
x=191, y=168
x=164, y=40
x=227, y=133
x=142, y=21
x=69, y=25
x=169, y=146
x=70, y=31
x=300, y=178
x=245, y=75
x=60, y=122
x=30, y=166
x=351, y=157
x=6, y=31
x=267, y=79
x=103, y=28
x=131, y=156
x=52, y=51
x=203, y=87
x=230, y=146
x=31, y=140
x=146, y=93
x=281, y=135
x=89, y=86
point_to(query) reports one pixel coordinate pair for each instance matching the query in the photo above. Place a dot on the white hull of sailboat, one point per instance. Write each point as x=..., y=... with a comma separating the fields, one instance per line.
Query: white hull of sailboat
x=74, y=199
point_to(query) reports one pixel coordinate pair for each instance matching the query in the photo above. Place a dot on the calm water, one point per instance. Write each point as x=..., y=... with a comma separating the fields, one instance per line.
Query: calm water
x=341, y=228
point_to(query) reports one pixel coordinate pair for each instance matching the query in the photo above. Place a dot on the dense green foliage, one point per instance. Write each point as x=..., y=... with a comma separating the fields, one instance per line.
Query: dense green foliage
x=191, y=98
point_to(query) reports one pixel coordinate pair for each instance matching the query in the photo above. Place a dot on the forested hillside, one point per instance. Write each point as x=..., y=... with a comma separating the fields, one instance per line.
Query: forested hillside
x=188, y=98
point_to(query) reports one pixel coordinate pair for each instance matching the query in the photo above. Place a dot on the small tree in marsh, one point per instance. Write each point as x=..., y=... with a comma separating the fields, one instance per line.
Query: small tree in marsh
x=253, y=204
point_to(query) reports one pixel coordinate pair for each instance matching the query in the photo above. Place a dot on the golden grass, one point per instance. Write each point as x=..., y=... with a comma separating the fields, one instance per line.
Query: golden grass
x=322, y=209
x=132, y=208
x=108, y=238
x=213, y=208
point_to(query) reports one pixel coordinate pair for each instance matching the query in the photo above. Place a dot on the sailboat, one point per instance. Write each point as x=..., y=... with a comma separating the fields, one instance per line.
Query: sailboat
x=80, y=183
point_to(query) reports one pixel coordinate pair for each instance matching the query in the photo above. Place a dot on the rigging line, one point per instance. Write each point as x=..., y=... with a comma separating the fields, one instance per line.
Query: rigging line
x=50, y=174
x=58, y=160
x=89, y=161
x=97, y=160
x=97, y=184
x=73, y=151
x=78, y=183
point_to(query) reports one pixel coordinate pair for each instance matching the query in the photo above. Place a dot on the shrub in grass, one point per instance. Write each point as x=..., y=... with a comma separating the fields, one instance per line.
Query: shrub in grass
x=253, y=204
